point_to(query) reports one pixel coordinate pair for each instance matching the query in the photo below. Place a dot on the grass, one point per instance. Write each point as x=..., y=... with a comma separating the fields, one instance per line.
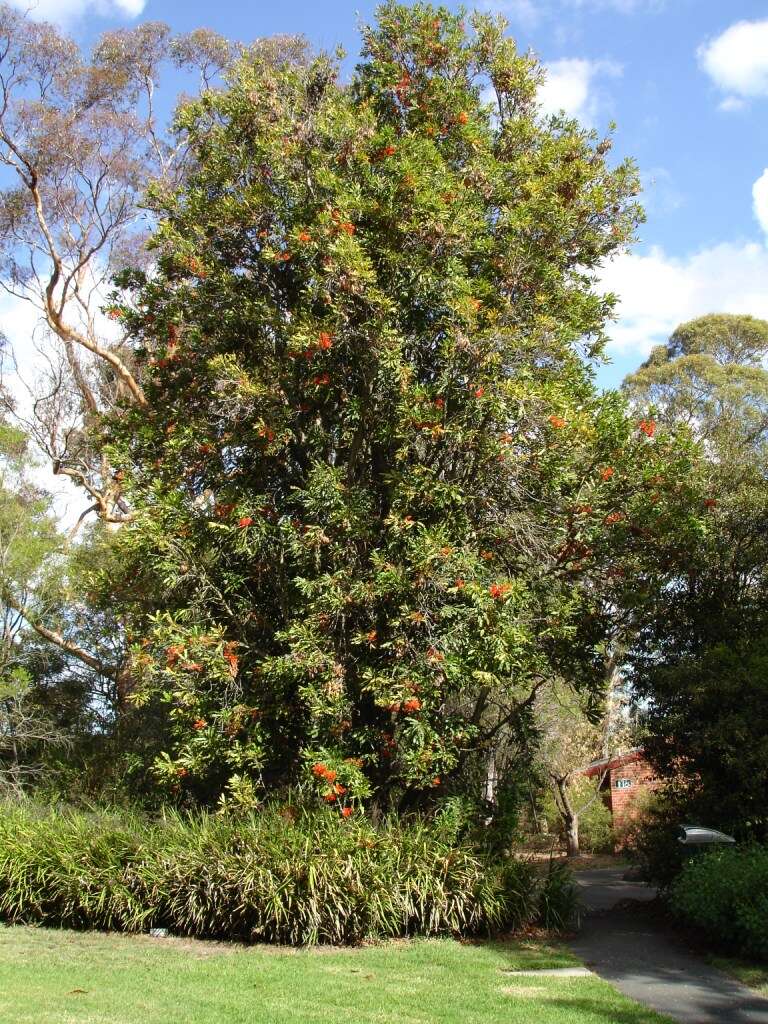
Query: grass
x=746, y=971
x=51, y=976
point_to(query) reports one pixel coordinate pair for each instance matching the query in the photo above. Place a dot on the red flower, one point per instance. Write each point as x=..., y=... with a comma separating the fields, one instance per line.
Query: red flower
x=115, y=313
x=199, y=723
x=607, y=472
x=557, y=422
x=434, y=655
x=479, y=392
x=710, y=503
x=413, y=704
x=647, y=427
x=463, y=117
x=245, y=521
x=329, y=797
x=329, y=775
x=346, y=811
x=172, y=655
x=439, y=403
x=324, y=341
x=613, y=517
x=498, y=590
x=436, y=780
x=459, y=584
x=319, y=770
x=322, y=378
x=284, y=256
x=304, y=237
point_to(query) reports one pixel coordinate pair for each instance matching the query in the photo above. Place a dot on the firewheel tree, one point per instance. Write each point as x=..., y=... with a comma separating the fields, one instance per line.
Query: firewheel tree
x=377, y=500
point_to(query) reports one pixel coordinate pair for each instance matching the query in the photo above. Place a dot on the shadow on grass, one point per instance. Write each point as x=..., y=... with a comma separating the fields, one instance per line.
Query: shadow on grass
x=594, y=1011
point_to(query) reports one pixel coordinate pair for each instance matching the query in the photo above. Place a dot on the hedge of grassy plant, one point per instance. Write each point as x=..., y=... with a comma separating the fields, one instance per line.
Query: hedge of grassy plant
x=725, y=893
x=294, y=878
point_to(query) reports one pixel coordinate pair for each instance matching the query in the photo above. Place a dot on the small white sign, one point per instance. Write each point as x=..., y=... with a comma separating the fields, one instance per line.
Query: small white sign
x=623, y=783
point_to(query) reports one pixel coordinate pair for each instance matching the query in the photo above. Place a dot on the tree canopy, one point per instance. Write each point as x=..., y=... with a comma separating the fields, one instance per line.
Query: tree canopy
x=377, y=499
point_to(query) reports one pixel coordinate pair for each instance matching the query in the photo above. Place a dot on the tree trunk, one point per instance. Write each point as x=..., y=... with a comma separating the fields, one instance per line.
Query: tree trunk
x=568, y=814
x=572, y=835
x=490, y=785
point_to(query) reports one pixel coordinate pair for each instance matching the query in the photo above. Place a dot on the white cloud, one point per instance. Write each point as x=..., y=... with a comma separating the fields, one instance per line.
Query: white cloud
x=21, y=364
x=64, y=12
x=523, y=12
x=657, y=291
x=731, y=104
x=737, y=61
x=760, y=200
x=569, y=86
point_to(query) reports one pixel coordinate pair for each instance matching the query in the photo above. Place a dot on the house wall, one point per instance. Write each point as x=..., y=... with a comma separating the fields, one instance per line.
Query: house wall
x=627, y=782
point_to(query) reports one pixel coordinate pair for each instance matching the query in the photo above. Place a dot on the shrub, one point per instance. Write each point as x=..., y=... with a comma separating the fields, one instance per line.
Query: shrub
x=560, y=901
x=725, y=893
x=280, y=875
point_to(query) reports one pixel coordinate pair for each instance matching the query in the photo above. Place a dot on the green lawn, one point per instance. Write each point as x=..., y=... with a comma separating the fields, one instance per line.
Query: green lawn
x=62, y=977
x=747, y=972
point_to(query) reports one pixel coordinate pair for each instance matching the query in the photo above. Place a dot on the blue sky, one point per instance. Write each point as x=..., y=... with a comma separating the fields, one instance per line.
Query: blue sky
x=686, y=82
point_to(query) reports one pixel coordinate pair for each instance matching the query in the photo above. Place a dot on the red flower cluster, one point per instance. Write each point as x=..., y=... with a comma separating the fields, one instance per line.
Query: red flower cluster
x=325, y=341
x=498, y=590
x=613, y=517
x=647, y=427
x=304, y=236
x=607, y=472
x=557, y=422
x=407, y=706
x=199, y=723
x=321, y=379
x=346, y=811
x=479, y=392
x=710, y=503
x=403, y=85
x=463, y=117
x=231, y=658
x=245, y=522
x=459, y=584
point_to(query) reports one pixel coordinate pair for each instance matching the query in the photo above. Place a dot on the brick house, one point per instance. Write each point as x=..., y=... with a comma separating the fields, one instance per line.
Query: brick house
x=624, y=778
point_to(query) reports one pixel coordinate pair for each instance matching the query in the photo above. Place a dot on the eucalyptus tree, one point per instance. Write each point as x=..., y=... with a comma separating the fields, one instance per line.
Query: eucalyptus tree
x=699, y=664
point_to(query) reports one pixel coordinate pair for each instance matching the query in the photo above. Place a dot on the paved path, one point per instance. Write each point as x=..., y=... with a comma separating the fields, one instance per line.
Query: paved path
x=624, y=943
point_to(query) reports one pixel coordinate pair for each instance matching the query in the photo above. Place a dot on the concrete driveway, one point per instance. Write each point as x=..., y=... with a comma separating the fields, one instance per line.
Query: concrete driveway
x=627, y=945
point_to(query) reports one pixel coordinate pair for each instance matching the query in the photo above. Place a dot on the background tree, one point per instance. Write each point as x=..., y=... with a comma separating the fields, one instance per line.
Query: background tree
x=378, y=503
x=572, y=736
x=699, y=664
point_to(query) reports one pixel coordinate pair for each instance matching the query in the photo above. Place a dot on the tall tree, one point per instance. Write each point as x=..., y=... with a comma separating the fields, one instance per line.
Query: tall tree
x=699, y=665
x=377, y=500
